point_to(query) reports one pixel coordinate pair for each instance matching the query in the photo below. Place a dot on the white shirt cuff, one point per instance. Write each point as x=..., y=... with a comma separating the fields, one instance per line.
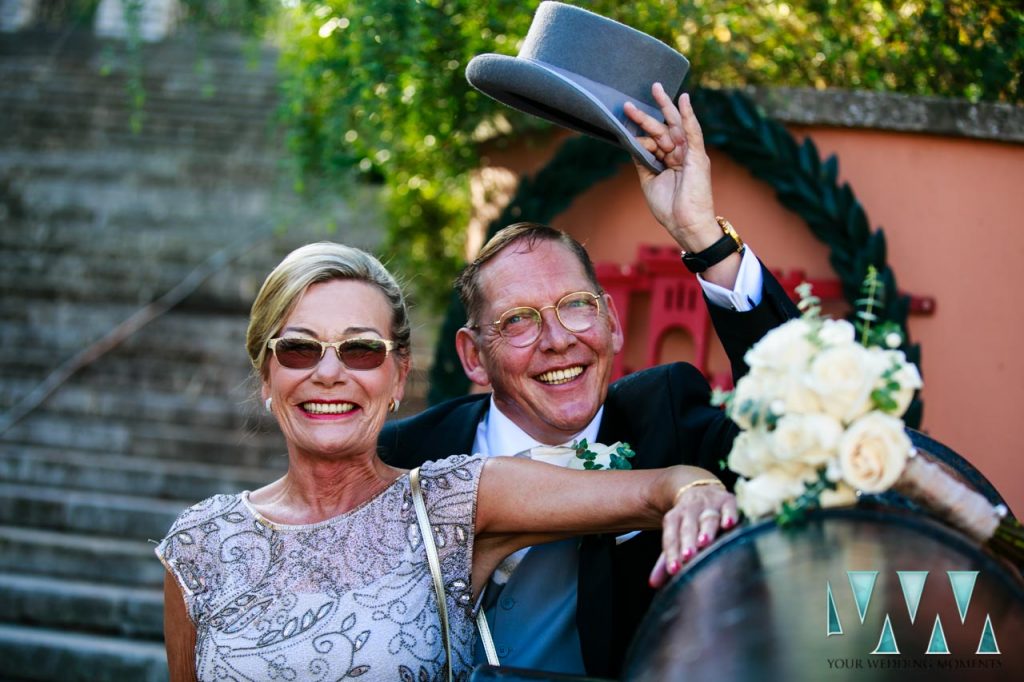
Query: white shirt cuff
x=746, y=294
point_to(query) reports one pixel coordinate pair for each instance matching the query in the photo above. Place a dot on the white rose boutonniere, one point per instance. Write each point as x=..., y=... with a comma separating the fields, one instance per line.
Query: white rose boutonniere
x=583, y=455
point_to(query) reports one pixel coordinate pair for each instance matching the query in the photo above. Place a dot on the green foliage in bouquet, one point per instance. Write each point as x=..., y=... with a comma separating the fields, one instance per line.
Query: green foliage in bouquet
x=794, y=512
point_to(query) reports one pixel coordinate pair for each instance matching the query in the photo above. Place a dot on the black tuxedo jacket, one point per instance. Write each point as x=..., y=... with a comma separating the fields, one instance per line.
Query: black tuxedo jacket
x=665, y=414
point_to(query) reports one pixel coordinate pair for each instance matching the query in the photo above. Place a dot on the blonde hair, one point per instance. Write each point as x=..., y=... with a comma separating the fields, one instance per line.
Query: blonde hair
x=312, y=264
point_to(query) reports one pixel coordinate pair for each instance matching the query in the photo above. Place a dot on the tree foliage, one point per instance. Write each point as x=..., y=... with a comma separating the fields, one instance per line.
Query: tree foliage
x=377, y=86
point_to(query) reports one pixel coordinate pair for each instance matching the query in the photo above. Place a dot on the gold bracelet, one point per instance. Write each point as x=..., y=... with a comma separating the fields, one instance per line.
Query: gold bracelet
x=694, y=484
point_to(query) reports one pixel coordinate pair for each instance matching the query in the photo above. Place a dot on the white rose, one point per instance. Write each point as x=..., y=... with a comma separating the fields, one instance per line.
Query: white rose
x=751, y=393
x=842, y=496
x=765, y=493
x=873, y=452
x=843, y=378
x=796, y=396
x=784, y=349
x=836, y=333
x=809, y=439
x=750, y=454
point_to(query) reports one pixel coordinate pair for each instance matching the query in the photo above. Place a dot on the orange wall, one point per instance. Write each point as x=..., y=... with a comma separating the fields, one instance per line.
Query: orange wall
x=953, y=215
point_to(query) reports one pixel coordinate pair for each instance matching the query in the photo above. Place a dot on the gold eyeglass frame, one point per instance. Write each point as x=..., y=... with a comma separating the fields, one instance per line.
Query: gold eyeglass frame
x=598, y=298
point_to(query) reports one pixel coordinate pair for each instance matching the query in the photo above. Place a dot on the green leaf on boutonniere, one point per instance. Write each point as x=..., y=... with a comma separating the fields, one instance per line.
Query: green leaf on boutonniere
x=615, y=456
x=620, y=458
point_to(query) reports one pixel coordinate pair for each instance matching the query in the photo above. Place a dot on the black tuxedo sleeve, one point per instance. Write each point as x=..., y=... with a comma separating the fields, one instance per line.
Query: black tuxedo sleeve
x=739, y=331
x=441, y=431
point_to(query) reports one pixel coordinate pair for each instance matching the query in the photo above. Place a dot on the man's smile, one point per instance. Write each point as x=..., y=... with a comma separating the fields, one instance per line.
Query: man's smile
x=555, y=377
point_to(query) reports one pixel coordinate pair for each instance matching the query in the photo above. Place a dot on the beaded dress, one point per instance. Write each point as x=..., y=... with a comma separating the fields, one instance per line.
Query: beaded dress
x=348, y=597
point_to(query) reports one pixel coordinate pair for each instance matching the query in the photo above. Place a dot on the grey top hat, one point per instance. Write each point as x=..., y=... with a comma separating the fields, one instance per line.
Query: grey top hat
x=577, y=69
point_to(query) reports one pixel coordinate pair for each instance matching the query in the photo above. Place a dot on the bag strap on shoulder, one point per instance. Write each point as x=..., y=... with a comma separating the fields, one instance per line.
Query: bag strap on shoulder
x=427, y=535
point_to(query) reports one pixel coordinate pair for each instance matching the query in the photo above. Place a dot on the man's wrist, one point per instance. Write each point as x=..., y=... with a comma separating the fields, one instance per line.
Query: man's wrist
x=726, y=243
x=698, y=238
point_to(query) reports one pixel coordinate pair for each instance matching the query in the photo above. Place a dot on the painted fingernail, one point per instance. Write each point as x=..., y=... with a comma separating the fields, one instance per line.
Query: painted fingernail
x=702, y=539
x=687, y=553
x=674, y=566
x=728, y=522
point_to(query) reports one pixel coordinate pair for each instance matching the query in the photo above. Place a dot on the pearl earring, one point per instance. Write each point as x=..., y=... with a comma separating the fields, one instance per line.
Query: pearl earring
x=394, y=405
x=268, y=403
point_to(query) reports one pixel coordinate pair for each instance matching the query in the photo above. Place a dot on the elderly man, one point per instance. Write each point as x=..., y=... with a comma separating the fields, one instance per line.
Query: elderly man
x=542, y=335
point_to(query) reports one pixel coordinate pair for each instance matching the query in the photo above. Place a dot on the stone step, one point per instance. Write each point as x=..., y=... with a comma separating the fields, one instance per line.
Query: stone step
x=108, y=201
x=33, y=551
x=86, y=511
x=58, y=314
x=243, y=167
x=76, y=605
x=199, y=166
x=250, y=109
x=177, y=345
x=142, y=439
x=68, y=45
x=34, y=75
x=19, y=322
x=91, y=242
x=229, y=77
x=158, y=126
x=43, y=654
x=228, y=381
x=149, y=281
x=215, y=410
x=83, y=470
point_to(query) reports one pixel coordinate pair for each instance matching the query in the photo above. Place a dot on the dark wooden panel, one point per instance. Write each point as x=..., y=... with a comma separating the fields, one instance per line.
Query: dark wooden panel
x=753, y=607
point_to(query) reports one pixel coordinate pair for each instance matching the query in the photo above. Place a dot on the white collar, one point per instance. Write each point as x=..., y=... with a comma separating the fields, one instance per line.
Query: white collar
x=498, y=435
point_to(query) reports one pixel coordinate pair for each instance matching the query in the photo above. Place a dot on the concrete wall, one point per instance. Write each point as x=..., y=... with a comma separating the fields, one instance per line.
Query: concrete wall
x=951, y=208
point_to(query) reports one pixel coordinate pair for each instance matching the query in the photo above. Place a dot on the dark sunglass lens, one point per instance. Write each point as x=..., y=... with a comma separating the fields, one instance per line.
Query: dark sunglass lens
x=363, y=353
x=297, y=353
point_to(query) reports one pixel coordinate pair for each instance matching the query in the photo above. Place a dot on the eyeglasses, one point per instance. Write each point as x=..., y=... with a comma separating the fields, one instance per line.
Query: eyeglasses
x=360, y=354
x=521, y=326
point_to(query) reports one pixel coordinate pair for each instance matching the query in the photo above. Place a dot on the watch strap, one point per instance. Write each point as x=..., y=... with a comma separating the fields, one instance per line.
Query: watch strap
x=729, y=244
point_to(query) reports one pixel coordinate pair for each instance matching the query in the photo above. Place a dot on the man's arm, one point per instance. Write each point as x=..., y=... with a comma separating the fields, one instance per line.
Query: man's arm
x=745, y=301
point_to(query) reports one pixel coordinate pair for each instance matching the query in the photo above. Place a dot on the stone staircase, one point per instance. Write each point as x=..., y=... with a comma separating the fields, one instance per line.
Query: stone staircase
x=95, y=223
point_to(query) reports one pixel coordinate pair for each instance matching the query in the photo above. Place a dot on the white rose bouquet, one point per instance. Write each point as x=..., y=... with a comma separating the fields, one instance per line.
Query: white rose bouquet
x=821, y=417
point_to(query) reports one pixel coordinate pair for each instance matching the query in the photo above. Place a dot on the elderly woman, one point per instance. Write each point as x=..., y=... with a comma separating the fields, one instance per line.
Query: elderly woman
x=322, y=574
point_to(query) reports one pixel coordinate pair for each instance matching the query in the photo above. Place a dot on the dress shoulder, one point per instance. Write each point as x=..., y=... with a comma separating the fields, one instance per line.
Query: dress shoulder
x=192, y=547
x=450, y=486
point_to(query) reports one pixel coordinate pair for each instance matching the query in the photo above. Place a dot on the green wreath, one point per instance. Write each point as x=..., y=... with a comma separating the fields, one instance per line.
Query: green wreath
x=732, y=123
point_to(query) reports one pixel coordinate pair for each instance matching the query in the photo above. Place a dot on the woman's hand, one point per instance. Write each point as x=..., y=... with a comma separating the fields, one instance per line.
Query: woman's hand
x=699, y=512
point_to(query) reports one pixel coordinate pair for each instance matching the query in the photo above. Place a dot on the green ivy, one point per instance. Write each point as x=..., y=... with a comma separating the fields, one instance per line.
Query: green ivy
x=377, y=86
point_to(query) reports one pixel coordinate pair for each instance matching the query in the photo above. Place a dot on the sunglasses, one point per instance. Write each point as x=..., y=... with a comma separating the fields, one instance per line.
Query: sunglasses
x=359, y=354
